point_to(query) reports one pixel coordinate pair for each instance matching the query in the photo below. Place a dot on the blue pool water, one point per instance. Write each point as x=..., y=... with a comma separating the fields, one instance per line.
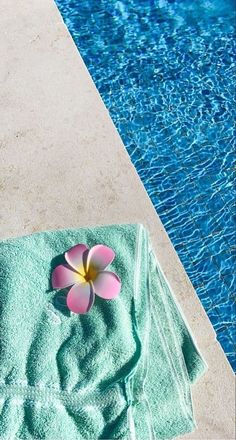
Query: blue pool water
x=165, y=71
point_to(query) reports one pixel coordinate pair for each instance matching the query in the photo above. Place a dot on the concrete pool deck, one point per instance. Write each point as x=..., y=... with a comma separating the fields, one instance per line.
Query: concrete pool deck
x=63, y=164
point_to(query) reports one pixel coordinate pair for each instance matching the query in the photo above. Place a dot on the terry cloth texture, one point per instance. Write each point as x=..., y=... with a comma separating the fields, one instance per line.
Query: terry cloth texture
x=122, y=371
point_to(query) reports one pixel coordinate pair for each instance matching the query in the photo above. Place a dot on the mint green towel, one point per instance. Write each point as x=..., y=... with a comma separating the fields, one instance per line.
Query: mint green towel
x=122, y=371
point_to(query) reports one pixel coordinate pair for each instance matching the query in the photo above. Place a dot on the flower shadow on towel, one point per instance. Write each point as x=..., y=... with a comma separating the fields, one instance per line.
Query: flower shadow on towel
x=59, y=299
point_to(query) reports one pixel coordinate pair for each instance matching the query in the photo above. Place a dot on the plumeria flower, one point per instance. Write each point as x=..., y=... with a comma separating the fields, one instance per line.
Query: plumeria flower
x=86, y=272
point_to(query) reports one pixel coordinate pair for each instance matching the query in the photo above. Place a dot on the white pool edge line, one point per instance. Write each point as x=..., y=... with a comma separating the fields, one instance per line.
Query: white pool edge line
x=63, y=165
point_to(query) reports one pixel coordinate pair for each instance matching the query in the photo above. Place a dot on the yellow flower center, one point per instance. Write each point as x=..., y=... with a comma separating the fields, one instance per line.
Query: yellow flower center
x=91, y=274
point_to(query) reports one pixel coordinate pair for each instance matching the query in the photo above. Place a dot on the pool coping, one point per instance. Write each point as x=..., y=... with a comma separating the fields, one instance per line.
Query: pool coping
x=64, y=165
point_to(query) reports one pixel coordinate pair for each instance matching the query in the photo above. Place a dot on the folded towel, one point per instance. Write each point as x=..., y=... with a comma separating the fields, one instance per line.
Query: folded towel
x=122, y=371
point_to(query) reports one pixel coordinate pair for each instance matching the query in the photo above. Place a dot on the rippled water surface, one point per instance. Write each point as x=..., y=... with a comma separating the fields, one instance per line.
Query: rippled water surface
x=165, y=72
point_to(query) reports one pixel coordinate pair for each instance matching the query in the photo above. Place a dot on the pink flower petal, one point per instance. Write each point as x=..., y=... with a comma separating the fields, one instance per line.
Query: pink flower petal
x=64, y=276
x=74, y=257
x=99, y=257
x=80, y=298
x=107, y=285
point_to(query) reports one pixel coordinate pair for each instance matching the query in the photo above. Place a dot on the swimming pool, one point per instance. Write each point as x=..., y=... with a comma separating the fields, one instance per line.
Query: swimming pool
x=165, y=72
